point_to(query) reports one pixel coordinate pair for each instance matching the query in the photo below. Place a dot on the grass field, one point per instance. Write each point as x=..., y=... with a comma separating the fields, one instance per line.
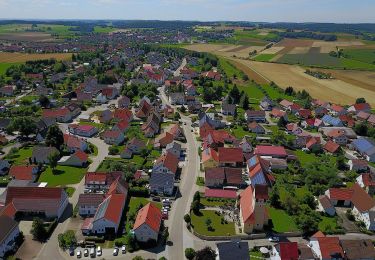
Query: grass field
x=281, y=221
x=243, y=35
x=21, y=157
x=218, y=229
x=264, y=57
x=229, y=69
x=105, y=29
x=64, y=175
x=7, y=57
x=4, y=66
x=363, y=55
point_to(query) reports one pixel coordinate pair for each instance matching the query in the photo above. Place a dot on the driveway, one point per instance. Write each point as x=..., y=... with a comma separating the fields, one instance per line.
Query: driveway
x=348, y=225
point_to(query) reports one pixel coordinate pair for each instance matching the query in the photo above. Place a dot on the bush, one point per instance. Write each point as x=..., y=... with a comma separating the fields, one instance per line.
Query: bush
x=113, y=150
x=95, y=239
x=139, y=192
x=190, y=253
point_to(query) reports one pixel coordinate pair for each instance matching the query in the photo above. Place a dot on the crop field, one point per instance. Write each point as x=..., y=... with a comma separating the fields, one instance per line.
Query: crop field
x=363, y=55
x=264, y=57
x=13, y=57
x=27, y=36
x=226, y=50
x=310, y=59
x=337, y=90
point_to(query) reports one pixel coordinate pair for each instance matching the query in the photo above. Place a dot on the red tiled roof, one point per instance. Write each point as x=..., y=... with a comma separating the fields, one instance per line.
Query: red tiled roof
x=331, y=147
x=218, y=193
x=95, y=177
x=270, y=150
x=340, y=194
x=230, y=155
x=149, y=215
x=286, y=103
x=169, y=161
x=336, y=108
x=277, y=112
x=361, y=200
x=330, y=246
x=33, y=193
x=261, y=191
x=123, y=114
x=122, y=125
x=368, y=180
x=362, y=106
x=72, y=141
x=114, y=208
x=22, y=172
x=208, y=154
x=111, y=134
x=318, y=234
x=55, y=112
x=9, y=210
x=246, y=204
x=335, y=133
x=288, y=250
x=81, y=155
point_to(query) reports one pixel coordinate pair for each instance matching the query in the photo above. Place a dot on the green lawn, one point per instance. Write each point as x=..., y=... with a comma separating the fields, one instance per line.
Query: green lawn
x=4, y=66
x=307, y=158
x=328, y=224
x=21, y=156
x=239, y=132
x=104, y=29
x=64, y=175
x=282, y=222
x=29, y=98
x=200, y=181
x=218, y=229
x=264, y=57
x=255, y=94
x=229, y=69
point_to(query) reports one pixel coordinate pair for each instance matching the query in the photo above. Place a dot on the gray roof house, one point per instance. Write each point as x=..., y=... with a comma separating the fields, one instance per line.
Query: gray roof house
x=40, y=154
x=162, y=183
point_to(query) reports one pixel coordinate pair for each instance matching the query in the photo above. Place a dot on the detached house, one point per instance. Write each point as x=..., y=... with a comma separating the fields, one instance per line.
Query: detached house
x=232, y=157
x=50, y=202
x=62, y=115
x=74, y=143
x=256, y=116
x=367, y=182
x=147, y=223
x=124, y=102
x=152, y=126
x=82, y=130
x=338, y=136
x=285, y=251
x=167, y=163
x=364, y=107
x=40, y=154
x=113, y=137
x=253, y=211
x=228, y=109
x=326, y=248
x=27, y=173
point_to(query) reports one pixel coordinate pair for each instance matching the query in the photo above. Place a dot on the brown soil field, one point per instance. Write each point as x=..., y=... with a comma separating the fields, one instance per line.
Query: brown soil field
x=273, y=50
x=366, y=79
x=27, y=36
x=295, y=43
x=10, y=57
x=337, y=90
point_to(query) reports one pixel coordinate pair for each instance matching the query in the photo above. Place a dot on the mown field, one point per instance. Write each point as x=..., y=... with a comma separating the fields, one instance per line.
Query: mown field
x=13, y=57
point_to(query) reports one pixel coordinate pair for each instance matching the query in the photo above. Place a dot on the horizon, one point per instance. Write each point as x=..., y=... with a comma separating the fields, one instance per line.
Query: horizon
x=271, y=11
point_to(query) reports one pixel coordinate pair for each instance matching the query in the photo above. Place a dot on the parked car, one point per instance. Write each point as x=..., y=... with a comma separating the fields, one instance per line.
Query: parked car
x=164, y=215
x=99, y=251
x=274, y=239
x=115, y=251
x=123, y=249
x=156, y=198
x=79, y=255
x=71, y=251
x=166, y=201
x=92, y=252
x=86, y=253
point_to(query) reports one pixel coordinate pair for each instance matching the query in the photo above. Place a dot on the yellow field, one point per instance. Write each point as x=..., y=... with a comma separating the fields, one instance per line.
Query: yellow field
x=10, y=57
x=226, y=50
x=344, y=89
